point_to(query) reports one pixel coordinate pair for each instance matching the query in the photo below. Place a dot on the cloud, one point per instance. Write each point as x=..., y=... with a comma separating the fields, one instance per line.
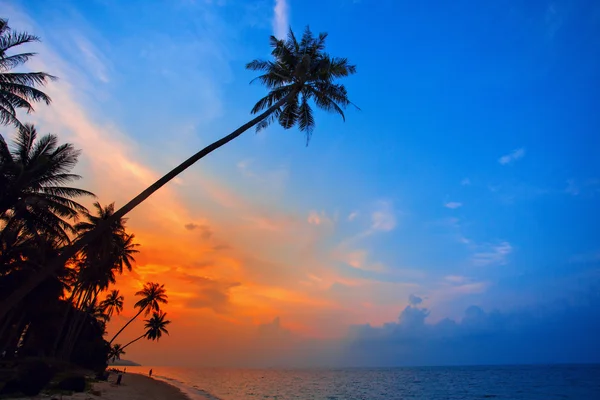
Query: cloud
x=352, y=216
x=383, y=218
x=94, y=59
x=512, y=156
x=205, y=231
x=465, y=182
x=205, y=292
x=191, y=226
x=588, y=186
x=453, y=205
x=319, y=218
x=492, y=254
x=535, y=335
x=456, y=279
x=414, y=300
x=281, y=18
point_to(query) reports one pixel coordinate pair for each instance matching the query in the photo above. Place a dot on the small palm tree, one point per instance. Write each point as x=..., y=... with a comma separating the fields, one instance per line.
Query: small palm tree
x=113, y=303
x=18, y=89
x=153, y=294
x=33, y=178
x=300, y=73
x=155, y=327
x=116, y=351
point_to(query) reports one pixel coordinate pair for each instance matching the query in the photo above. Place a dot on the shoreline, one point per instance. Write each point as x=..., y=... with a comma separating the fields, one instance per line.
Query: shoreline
x=134, y=386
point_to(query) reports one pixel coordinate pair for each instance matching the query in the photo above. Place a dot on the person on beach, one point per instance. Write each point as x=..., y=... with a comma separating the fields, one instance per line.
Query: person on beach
x=119, y=377
x=150, y=373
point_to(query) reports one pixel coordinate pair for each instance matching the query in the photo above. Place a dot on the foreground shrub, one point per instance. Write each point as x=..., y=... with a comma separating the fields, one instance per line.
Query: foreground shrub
x=73, y=383
x=33, y=376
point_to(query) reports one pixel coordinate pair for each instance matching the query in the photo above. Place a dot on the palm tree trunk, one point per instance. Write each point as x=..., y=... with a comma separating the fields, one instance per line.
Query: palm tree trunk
x=70, y=344
x=19, y=293
x=123, y=328
x=69, y=305
x=78, y=319
x=133, y=341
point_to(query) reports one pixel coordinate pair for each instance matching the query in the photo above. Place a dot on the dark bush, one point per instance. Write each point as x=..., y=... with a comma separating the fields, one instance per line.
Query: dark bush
x=9, y=387
x=74, y=383
x=33, y=376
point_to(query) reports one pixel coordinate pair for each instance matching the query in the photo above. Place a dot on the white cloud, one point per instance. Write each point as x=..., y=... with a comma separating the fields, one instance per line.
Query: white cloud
x=512, y=156
x=588, y=186
x=281, y=18
x=492, y=254
x=383, y=219
x=352, y=216
x=93, y=58
x=453, y=205
x=465, y=182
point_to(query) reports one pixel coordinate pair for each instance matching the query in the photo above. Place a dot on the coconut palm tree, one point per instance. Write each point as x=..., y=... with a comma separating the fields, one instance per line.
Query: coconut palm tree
x=153, y=294
x=33, y=177
x=18, y=89
x=116, y=351
x=107, y=253
x=300, y=73
x=155, y=327
x=113, y=303
x=98, y=262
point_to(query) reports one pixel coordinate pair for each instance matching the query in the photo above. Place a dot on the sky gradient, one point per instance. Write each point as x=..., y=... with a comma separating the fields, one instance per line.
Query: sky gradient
x=452, y=220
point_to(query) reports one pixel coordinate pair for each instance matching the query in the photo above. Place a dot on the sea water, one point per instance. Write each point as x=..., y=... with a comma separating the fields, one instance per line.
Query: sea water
x=581, y=382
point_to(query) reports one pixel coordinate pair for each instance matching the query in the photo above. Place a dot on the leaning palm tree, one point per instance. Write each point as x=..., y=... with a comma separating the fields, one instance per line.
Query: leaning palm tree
x=113, y=303
x=115, y=353
x=155, y=327
x=18, y=89
x=300, y=74
x=153, y=294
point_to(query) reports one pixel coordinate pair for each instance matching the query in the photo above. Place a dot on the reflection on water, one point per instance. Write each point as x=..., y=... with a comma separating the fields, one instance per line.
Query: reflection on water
x=449, y=383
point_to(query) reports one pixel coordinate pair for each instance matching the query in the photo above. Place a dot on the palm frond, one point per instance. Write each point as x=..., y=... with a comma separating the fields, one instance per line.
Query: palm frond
x=10, y=62
x=306, y=121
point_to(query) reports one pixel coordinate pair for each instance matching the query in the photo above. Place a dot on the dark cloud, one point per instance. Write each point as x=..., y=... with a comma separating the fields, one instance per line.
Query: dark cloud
x=560, y=333
x=414, y=300
x=210, y=293
x=205, y=231
x=191, y=226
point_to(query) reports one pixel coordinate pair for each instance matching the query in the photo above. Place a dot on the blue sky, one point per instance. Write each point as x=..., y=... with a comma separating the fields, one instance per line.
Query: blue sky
x=468, y=178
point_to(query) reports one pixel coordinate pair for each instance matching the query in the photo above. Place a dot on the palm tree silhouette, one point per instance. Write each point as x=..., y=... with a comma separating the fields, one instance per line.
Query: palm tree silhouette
x=33, y=178
x=107, y=253
x=155, y=327
x=116, y=351
x=153, y=294
x=18, y=89
x=301, y=72
x=113, y=303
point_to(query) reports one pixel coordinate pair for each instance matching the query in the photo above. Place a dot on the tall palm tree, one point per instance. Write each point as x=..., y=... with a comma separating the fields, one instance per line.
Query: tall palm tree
x=98, y=261
x=113, y=303
x=115, y=353
x=153, y=294
x=18, y=89
x=155, y=327
x=107, y=253
x=34, y=174
x=300, y=73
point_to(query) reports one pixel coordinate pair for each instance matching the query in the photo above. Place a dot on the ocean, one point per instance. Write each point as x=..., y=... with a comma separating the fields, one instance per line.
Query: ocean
x=581, y=382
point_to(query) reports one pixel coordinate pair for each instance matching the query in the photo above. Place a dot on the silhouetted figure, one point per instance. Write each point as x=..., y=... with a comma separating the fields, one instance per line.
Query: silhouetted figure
x=119, y=377
x=150, y=373
x=125, y=370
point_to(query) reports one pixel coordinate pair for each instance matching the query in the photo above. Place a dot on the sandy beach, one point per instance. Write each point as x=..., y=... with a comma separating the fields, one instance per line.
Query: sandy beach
x=133, y=387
